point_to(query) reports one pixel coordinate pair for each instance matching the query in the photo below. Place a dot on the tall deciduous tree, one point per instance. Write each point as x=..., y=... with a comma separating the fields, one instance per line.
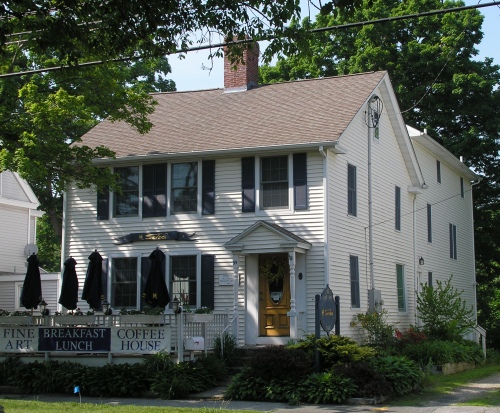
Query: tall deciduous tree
x=441, y=86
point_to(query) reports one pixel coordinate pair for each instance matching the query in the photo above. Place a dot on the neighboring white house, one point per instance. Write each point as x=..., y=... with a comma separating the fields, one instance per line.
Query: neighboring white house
x=18, y=215
x=233, y=182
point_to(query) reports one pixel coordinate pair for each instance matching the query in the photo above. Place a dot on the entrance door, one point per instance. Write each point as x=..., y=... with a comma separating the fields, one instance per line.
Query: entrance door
x=274, y=295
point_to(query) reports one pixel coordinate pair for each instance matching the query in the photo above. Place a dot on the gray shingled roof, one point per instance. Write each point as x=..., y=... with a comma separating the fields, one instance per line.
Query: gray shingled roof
x=290, y=113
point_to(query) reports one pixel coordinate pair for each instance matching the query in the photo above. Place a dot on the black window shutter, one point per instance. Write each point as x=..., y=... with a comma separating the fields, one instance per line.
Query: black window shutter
x=103, y=204
x=104, y=279
x=208, y=187
x=248, y=184
x=207, y=281
x=300, y=180
x=154, y=190
x=145, y=267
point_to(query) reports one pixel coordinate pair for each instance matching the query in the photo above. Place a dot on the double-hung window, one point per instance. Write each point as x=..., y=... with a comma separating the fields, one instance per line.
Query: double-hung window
x=397, y=209
x=400, y=281
x=184, y=187
x=351, y=190
x=462, y=190
x=124, y=286
x=453, y=241
x=274, y=182
x=126, y=202
x=438, y=171
x=354, y=272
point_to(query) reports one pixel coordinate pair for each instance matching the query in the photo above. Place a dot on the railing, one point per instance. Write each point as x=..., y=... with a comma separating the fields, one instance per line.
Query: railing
x=480, y=334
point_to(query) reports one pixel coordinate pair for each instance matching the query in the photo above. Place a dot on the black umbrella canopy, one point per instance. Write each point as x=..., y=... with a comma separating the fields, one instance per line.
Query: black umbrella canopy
x=92, y=289
x=155, y=291
x=69, y=291
x=31, y=295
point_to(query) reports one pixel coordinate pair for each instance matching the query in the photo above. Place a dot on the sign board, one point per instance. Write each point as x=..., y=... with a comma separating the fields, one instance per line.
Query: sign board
x=226, y=280
x=327, y=310
x=125, y=340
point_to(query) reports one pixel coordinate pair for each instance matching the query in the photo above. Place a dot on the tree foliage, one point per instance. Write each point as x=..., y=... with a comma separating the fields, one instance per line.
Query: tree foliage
x=445, y=314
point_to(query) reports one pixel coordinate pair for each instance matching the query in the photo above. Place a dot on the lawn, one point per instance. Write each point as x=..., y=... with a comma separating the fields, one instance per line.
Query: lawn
x=438, y=385
x=23, y=406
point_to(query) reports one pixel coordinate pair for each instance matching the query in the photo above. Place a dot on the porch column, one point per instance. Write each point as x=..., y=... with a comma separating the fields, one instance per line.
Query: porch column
x=236, y=268
x=292, y=313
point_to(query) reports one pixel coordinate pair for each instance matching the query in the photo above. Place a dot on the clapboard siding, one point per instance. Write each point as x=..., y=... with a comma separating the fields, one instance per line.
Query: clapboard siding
x=349, y=235
x=10, y=187
x=85, y=233
x=14, y=223
x=448, y=207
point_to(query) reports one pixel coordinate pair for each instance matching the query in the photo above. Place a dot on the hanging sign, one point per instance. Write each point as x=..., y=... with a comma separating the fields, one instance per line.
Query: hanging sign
x=327, y=310
x=154, y=236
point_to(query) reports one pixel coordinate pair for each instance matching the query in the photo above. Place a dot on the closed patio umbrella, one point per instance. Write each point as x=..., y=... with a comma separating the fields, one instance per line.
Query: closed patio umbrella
x=92, y=288
x=69, y=290
x=31, y=295
x=155, y=291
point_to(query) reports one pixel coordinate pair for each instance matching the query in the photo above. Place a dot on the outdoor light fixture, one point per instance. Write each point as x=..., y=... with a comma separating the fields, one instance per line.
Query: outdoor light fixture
x=105, y=308
x=175, y=306
x=44, y=310
x=421, y=261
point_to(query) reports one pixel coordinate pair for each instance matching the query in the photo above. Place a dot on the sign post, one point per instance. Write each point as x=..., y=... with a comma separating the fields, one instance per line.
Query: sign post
x=327, y=315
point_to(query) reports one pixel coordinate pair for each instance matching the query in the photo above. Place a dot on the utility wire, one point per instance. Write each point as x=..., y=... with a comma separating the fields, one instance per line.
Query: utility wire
x=246, y=41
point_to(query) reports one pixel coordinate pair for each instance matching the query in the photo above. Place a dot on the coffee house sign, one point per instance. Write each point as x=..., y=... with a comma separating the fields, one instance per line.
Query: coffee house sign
x=127, y=340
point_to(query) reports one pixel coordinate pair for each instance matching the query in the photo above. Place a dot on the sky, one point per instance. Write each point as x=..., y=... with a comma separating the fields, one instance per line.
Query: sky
x=191, y=73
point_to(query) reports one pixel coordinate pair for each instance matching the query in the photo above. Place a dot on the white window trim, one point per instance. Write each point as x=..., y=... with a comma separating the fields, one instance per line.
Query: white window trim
x=17, y=304
x=405, y=295
x=111, y=211
x=199, y=207
x=109, y=271
x=197, y=253
x=275, y=211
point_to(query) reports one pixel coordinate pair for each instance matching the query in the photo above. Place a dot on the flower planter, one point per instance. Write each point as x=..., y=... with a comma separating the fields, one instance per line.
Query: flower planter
x=17, y=320
x=74, y=320
x=144, y=319
x=199, y=318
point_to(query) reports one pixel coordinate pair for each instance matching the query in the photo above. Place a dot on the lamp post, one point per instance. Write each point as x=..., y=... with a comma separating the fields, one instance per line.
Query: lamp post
x=177, y=308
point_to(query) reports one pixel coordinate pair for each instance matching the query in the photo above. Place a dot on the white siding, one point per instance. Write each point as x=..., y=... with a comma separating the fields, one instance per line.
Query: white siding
x=448, y=207
x=84, y=233
x=349, y=235
x=14, y=223
x=10, y=188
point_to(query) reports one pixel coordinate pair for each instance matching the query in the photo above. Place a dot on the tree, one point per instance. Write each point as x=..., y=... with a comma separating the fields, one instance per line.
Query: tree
x=441, y=87
x=445, y=314
x=113, y=28
x=43, y=116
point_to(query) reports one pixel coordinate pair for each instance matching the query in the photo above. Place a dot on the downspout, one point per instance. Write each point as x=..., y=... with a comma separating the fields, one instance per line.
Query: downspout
x=325, y=213
x=415, y=280
x=474, y=251
x=63, y=240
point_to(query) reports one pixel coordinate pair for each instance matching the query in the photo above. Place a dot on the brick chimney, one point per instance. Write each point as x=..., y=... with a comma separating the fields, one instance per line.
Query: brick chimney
x=246, y=75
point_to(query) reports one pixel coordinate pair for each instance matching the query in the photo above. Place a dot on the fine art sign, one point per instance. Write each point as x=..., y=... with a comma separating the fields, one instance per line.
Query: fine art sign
x=127, y=340
x=154, y=236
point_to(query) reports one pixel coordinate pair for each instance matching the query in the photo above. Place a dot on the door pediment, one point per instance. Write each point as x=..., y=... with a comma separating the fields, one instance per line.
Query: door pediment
x=266, y=237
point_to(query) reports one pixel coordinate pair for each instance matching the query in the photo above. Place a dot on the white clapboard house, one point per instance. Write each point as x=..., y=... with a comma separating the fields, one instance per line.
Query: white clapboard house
x=262, y=195
x=18, y=215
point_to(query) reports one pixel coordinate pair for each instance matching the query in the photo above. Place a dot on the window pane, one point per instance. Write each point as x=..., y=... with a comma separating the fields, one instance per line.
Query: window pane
x=401, y=287
x=274, y=181
x=126, y=203
x=351, y=190
x=354, y=270
x=398, y=208
x=429, y=222
x=185, y=187
x=183, y=270
x=438, y=171
x=124, y=283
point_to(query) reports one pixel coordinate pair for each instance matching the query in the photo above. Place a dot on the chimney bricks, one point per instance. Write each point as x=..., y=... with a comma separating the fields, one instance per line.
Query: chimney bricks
x=246, y=74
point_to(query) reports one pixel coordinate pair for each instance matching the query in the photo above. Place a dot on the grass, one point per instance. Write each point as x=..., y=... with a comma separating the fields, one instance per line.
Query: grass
x=439, y=385
x=23, y=406
x=492, y=399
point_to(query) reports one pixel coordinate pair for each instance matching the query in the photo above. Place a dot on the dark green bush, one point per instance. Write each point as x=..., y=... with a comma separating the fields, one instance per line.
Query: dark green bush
x=438, y=352
x=8, y=368
x=246, y=386
x=335, y=350
x=225, y=348
x=327, y=388
x=402, y=374
x=368, y=381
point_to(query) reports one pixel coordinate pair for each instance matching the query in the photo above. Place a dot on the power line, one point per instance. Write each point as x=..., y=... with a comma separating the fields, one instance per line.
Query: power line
x=246, y=41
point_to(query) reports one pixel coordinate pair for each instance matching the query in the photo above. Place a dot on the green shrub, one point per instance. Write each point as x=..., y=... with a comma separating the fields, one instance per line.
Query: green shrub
x=246, y=386
x=374, y=329
x=439, y=352
x=445, y=315
x=326, y=388
x=8, y=367
x=402, y=374
x=368, y=381
x=225, y=348
x=334, y=350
